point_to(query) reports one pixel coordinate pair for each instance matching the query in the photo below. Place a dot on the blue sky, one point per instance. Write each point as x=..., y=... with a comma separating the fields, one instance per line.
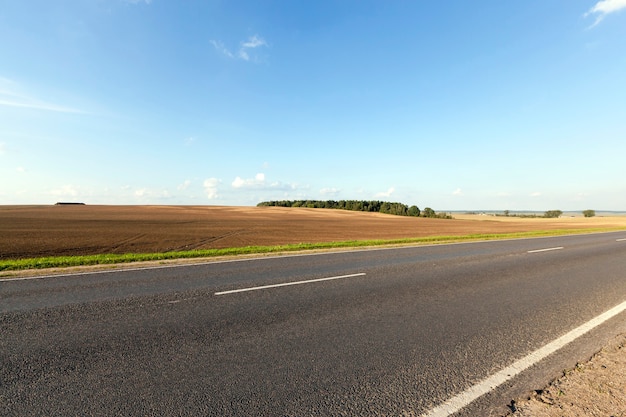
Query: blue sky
x=455, y=105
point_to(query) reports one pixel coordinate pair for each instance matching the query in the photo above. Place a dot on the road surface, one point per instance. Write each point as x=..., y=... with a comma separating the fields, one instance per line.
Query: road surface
x=389, y=332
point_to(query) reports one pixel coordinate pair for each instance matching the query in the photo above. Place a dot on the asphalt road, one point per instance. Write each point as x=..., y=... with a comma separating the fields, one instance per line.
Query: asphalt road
x=395, y=332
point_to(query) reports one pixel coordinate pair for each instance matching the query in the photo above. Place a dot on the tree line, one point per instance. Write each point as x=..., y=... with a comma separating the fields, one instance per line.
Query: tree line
x=374, y=206
x=550, y=214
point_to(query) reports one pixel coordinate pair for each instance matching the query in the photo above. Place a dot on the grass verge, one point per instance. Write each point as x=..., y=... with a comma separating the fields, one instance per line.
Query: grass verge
x=103, y=259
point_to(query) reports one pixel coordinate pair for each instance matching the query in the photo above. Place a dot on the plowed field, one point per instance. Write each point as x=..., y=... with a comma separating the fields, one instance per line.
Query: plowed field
x=33, y=231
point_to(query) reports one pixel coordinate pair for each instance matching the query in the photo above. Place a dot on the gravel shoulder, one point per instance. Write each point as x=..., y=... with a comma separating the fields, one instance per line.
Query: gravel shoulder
x=594, y=388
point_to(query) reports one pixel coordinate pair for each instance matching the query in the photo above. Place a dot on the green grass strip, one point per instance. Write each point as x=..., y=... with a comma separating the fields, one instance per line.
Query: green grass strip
x=104, y=259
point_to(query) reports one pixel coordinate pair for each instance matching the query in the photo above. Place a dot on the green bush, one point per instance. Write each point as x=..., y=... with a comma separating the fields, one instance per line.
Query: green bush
x=589, y=213
x=552, y=214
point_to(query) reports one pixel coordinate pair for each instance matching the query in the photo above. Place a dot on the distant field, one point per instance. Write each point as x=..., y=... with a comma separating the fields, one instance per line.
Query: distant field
x=38, y=231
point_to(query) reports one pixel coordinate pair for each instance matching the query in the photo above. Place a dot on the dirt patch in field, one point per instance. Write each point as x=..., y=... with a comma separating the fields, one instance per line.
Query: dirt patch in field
x=33, y=231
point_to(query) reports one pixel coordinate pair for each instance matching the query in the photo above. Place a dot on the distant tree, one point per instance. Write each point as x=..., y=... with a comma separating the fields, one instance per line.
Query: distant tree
x=398, y=209
x=589, y=213
x=443, y=216
x=506, y=213
x=428, y=212
x=552, y=214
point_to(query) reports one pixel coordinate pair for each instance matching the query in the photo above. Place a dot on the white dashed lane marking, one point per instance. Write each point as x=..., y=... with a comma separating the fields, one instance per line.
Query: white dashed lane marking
x=285, y=284
x=545, y=250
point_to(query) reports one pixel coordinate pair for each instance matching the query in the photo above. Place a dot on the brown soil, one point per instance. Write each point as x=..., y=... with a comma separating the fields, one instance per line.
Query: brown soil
x=596, y=388
x=33, y=231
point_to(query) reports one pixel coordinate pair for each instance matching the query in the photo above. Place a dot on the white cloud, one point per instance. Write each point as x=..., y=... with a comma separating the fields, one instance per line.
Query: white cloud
x=184, y=185
x=387, y=193
x=245, y=47
x=605, y=7
x=254, y=42
x=329, y=191
x=139, y=1
x=219, y=46
x=244, y=55
x=21, y=170
x=65, y=191
x=130, y=193
x=257, y=181
x=147, y=194
x=581, y=196
x=458, y=191
x=210, y=187
x=3, y=148
x=535, y=194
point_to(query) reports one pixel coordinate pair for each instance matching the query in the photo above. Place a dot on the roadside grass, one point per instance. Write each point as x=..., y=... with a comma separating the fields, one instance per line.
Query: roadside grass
x=109, y=259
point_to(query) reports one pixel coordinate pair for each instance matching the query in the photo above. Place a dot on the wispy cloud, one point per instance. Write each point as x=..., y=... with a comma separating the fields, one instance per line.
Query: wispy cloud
x=458, y=191
x=3, y=148
x=37, y=106
x=139, y=1
x=219, y=46
x=252, y=43
x=11, y=97
x=147, y=194
x=184, y=185
x=65, y=191
x=245, y=47
x=330, y=191
x=604, y=8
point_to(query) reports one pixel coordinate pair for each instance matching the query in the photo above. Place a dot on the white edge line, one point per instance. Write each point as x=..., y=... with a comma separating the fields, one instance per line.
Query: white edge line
x=463, y=399
x=620, y=240
x=545, y=250
x=289, y=283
